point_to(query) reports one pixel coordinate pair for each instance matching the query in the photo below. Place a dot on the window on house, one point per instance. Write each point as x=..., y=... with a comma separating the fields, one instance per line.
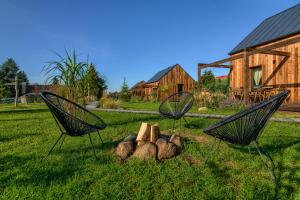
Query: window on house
x=257, y=77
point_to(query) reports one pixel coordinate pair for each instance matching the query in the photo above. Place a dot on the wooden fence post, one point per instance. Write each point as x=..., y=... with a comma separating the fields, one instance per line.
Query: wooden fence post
x=17, y=90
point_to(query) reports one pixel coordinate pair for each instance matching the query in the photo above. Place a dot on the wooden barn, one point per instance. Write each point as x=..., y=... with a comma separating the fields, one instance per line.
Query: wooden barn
x=138, y=89
x=266, y=61
x=168, y=81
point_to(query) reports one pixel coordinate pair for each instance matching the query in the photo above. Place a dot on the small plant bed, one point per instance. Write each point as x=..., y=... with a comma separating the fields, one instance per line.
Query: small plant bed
x=149, y=144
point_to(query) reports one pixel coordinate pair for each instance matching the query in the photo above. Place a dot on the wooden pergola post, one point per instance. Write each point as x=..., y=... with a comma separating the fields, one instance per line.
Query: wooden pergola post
x=199, y=77
x=246, y=76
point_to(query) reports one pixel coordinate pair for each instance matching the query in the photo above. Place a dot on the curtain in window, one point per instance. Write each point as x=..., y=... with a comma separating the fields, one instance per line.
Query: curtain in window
x=257, y=73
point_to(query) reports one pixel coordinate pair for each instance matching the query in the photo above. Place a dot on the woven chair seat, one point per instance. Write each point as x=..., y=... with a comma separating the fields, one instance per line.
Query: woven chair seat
x=71, y=118
x=176, y=105
x=244, y=127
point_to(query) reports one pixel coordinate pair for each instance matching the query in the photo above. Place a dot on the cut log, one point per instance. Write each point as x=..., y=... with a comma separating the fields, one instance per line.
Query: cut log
x=154, y=133
x=144, y=133
x=165, y=149
x=176, y=139
x=146, y=151
x=125, y=149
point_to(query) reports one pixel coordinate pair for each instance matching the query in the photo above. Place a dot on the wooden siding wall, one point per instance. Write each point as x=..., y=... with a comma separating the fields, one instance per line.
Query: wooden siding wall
x=170, y=81
x=288, y=75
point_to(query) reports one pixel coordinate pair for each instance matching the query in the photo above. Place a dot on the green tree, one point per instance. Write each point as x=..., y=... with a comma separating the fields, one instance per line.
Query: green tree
x=207, y=78
x=96, y=84
x=125, y=93
x=3, y=91
x=8, y=71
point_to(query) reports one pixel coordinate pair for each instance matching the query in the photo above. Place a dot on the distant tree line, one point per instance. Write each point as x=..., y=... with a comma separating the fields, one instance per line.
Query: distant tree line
x=8, y=71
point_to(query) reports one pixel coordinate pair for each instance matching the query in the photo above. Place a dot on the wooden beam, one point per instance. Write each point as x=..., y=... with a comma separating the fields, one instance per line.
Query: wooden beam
x=276, y=45
x=253, y=51
x=199, y=77
x=216, y=66
x=274, y=52
x=246, y=76
x=223, y=61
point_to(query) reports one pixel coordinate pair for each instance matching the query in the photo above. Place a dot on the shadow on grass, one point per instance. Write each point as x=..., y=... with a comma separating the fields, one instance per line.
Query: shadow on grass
x=30, y=170
x=275, y=147
x=286, y=178
x=219, y=172
x=25, y=111
x=16, y=136
x=20, y=119
x=197, y=124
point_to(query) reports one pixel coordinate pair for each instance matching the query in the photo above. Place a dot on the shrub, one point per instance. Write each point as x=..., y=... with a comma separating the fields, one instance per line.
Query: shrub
x=220, y=86
x=136, y=99
x=108, y=103
x=208, y=99
x=230, y=103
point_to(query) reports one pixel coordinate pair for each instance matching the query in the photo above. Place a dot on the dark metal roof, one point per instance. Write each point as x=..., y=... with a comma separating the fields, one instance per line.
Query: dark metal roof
x=160, y=74
x=138, y=84
x=278, y=26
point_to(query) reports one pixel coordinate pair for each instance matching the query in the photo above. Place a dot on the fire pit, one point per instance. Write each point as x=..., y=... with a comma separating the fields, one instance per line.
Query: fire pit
x=150, y=143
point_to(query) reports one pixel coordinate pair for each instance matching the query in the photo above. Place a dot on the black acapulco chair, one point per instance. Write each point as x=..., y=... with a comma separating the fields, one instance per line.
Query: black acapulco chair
x=72, y=119
x=245, y=127
x=175, y=106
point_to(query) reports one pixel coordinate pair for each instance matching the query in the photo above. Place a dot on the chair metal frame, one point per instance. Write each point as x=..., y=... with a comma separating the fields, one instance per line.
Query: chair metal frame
x=245, y=128
x=176, y=112
x=70, y=124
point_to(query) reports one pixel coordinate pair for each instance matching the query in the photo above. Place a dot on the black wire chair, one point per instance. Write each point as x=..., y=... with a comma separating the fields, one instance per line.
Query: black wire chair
x=176, y=105
x=246, y=127
x=72, y=119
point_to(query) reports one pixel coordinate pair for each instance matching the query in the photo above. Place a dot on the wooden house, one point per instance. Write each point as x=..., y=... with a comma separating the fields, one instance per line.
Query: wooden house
x=168, y=81
x=267, y=59
x=138, y=89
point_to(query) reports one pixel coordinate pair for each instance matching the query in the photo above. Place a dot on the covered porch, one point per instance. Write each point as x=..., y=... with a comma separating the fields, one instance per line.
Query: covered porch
x=247, y=92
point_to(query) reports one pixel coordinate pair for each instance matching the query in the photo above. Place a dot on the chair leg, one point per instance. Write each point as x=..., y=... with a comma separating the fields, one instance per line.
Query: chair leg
x=173, y=125
x=100, y=136
x=212, y=150
x=263, y=154
x=92, y=145
x=62, y=141
x=54, y=145
x=185, y=121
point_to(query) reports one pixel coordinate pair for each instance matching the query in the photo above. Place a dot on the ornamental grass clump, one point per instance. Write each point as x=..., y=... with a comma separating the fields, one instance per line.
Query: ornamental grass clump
x=209, y=99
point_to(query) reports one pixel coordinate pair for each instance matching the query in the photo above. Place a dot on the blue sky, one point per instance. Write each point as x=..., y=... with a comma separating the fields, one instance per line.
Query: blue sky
x=126, y=38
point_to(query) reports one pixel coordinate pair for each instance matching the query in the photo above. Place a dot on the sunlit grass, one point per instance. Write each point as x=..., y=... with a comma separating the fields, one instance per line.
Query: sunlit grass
x=28, y=132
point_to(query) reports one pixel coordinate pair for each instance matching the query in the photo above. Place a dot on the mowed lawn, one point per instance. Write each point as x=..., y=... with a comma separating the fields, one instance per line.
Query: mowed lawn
x=27, y=133
x=153, y=106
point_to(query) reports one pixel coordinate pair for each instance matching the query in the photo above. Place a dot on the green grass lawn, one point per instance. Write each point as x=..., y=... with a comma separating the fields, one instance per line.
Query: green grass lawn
x=153, y=106
x=28, y=132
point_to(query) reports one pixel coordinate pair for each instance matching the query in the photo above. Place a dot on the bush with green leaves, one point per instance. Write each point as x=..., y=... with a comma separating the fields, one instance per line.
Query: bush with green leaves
x=136, y=99
x=208, y=99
